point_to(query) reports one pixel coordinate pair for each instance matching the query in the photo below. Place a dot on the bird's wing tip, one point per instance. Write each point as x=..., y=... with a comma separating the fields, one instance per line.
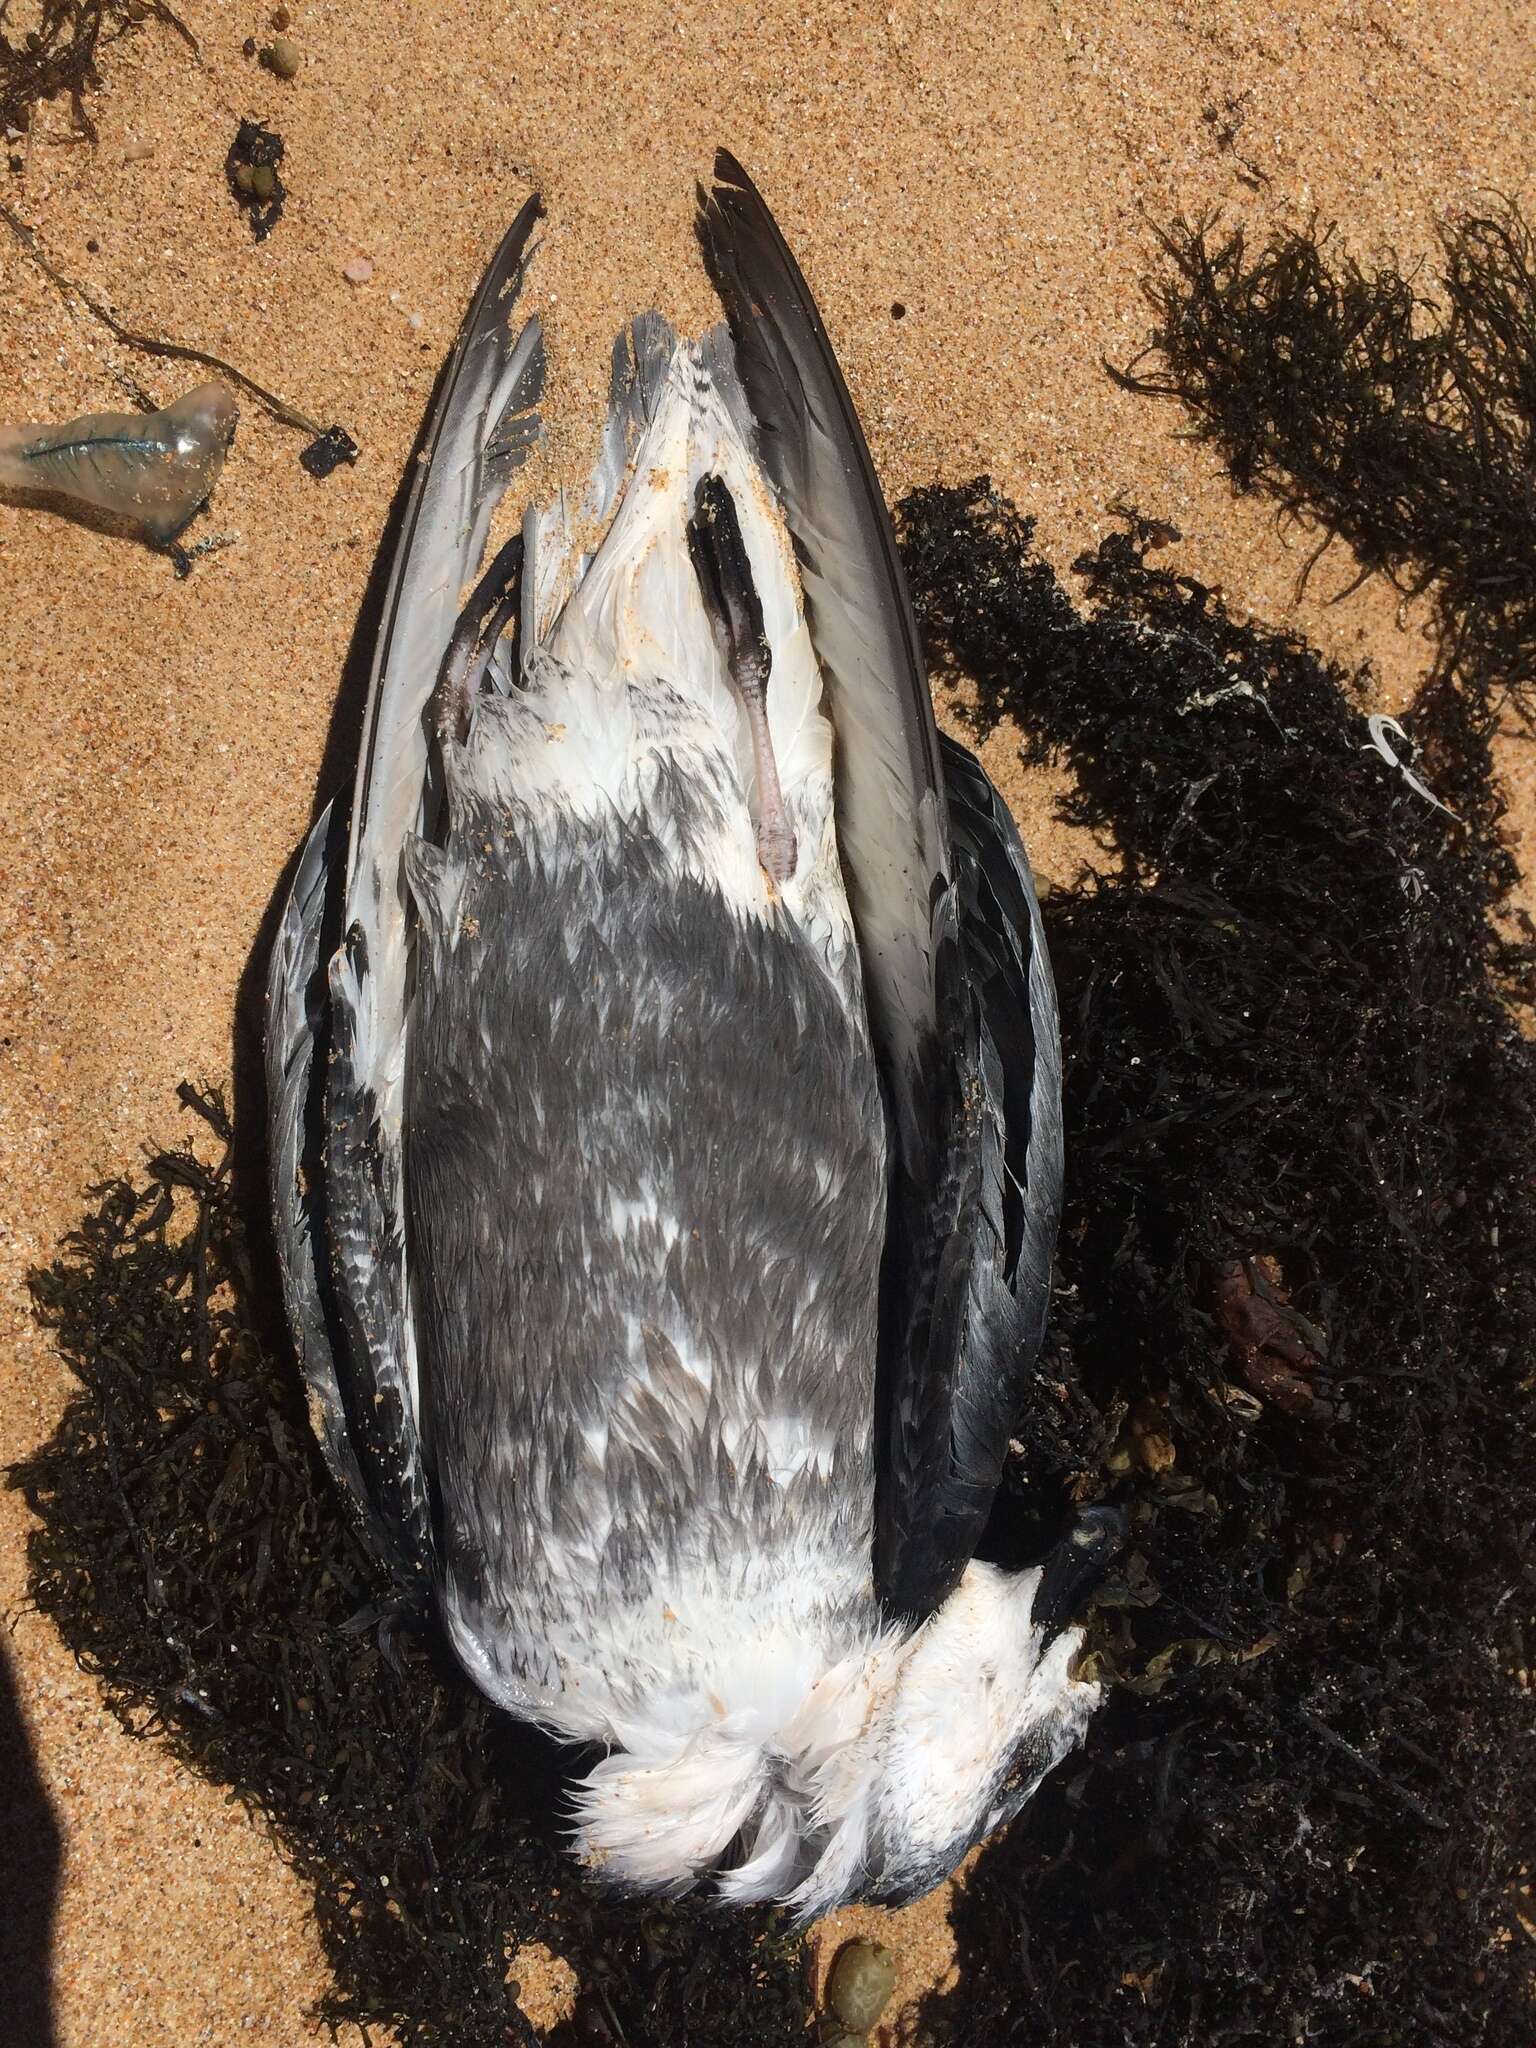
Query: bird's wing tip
x=729, y=185
x=728, y=170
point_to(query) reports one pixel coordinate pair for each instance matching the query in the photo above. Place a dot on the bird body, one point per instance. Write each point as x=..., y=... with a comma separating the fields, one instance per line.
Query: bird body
x=668, y=1227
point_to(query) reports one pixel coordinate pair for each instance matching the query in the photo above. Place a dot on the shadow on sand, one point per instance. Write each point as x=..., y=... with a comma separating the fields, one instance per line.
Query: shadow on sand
x=29, y=1878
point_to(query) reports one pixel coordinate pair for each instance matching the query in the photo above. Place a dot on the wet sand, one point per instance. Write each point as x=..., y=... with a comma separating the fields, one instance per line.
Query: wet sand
x=994, y=171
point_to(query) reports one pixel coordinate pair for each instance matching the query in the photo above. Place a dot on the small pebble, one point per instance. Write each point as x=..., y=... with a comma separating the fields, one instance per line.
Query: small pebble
x=860, y=1986
x=282, y=56
x=358, y=270
x=263, y=180
x=414, y=322
x=281, y=19
x=136, y=152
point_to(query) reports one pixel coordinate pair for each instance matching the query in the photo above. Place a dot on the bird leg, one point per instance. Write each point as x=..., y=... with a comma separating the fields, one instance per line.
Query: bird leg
x=492, y=604
x=720, y=562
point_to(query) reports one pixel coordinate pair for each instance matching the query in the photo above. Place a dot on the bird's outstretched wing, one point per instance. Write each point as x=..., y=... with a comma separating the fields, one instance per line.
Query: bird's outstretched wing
x=960, y=1000
x=337, y=985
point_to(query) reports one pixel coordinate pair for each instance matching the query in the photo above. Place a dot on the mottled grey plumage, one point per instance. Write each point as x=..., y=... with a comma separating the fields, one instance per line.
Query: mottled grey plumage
x=667, y=1226
x=540, y=1108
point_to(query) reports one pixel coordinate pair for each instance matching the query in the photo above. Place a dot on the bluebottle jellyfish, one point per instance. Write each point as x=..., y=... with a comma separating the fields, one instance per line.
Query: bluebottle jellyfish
x=148, y=471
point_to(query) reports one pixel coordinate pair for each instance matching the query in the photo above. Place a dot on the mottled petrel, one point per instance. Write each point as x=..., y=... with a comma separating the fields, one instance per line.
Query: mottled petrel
x=666, y=1135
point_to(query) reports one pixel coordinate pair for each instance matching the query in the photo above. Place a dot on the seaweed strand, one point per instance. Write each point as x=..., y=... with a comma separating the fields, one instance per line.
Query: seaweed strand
x=58, y=54
x=1397, y=412
x=149, y=344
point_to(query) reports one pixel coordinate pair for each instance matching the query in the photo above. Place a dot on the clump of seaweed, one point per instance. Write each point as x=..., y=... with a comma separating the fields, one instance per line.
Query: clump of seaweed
x=1399, y=416
x=58, y=54
x=1297, y=1298
x=196, y=1557
x=252, y=169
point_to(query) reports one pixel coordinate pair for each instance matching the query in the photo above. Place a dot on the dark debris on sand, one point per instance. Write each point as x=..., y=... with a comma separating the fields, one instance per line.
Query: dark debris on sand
x=1293, y=1336
x=56, y=53
x=327, y=452
x=253, y=172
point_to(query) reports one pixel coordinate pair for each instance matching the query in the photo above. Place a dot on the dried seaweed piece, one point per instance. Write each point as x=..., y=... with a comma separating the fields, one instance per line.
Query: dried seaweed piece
x=1226, y=120
x=149, y=472
x=252, y=170
x=1276, y=1347
x=1399, y=416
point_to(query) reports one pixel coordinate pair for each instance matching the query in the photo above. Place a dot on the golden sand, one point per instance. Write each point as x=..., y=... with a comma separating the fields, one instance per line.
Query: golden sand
x=996, y=170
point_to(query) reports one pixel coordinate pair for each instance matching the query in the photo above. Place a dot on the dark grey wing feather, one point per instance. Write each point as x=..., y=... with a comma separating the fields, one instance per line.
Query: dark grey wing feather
x=961, y=1009
x=366, y=1242
x=340, y=1293
x=969, y=1253
x=1008, y=970
x=337, y=1006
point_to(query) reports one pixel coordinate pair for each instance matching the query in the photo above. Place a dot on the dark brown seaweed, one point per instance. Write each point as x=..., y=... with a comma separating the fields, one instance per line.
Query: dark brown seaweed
x=1306, y=1813
x=57, y=53
x=1395, y=410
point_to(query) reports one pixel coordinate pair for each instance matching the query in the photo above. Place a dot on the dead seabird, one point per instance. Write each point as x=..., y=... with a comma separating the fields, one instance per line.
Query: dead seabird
x=665, y=1096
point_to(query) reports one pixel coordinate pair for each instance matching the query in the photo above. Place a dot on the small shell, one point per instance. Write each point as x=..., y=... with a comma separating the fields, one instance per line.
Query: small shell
x=860, y=1986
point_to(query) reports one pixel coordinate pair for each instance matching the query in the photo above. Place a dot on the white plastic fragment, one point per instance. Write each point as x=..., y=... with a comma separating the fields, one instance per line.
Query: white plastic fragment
x=1379, y=725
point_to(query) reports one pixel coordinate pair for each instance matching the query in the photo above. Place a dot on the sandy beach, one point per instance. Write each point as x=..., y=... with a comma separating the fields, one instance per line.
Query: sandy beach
x=972, y=192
